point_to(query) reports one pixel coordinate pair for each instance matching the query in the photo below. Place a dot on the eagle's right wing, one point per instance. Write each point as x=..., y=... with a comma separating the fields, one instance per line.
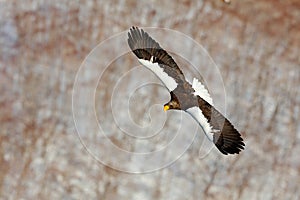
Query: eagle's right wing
x=153, y=57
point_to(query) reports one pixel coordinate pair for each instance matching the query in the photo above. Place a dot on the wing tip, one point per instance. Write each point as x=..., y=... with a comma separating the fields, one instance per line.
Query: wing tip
x=138, y=36
x=231, y=145
x=229, y=140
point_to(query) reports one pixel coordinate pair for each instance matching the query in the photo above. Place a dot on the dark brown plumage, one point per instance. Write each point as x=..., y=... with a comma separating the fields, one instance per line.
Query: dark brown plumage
x=143, y=46
x=226, y=138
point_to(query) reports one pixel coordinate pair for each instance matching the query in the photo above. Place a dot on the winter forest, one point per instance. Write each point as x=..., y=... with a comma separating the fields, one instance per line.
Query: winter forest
x=82, y=119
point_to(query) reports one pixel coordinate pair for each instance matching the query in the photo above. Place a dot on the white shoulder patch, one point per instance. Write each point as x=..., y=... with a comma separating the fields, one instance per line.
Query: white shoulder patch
x=197, y=114
x=167, y=80
x=201, y=91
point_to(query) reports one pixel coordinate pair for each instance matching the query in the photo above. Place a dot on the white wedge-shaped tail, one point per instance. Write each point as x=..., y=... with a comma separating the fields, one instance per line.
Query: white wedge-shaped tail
x=201, y=91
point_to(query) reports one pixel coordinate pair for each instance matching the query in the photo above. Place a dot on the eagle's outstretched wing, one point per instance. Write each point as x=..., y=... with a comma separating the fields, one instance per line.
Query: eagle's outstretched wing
x=217, y=128
x=153, y=57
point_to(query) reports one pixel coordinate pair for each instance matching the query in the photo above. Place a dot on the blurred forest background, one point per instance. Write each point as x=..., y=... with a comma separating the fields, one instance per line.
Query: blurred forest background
x=255, y=44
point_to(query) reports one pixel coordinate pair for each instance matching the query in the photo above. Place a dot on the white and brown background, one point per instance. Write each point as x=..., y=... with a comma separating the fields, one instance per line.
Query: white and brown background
x=255, y=45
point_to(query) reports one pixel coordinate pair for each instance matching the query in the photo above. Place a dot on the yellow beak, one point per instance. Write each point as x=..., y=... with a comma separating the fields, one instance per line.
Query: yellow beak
x=166, y=107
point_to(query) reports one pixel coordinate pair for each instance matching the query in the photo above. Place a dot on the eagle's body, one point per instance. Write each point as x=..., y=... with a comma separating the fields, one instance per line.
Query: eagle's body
x=192, y=98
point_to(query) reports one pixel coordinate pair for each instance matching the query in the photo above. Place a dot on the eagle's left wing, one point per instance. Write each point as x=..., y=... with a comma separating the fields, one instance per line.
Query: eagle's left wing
x=153, y=57
x=217, y=128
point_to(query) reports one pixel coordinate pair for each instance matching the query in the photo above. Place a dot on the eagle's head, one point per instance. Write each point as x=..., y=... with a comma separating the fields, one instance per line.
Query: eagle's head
x=173, y=103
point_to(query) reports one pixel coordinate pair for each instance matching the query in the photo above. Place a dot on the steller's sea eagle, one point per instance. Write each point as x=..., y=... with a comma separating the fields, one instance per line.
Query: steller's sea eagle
x=192, y=98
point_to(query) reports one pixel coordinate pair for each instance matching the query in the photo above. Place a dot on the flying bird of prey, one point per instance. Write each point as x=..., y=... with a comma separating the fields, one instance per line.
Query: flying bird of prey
x=192, y=98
